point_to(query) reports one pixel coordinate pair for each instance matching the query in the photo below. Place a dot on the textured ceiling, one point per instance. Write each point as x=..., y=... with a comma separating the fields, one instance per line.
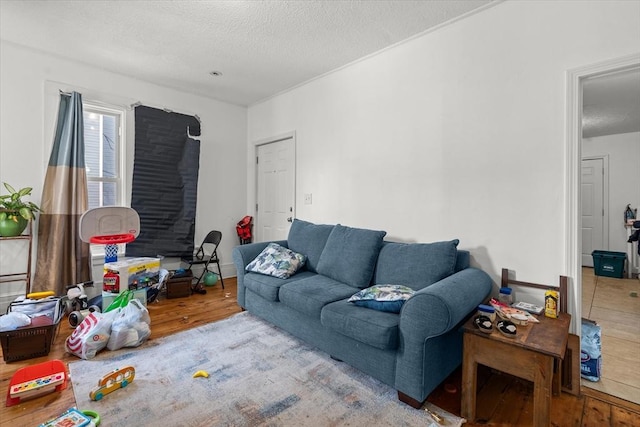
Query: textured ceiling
x=261, y=47
x=611, y=104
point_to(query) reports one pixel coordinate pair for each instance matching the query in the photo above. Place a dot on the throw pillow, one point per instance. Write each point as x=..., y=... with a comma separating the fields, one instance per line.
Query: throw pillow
x=383, y=297
x=416, y=265
x=350, y=255
x=308, y=239
x=277, y=261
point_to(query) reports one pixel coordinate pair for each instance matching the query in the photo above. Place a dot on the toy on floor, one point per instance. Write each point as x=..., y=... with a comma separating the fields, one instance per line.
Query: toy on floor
x=74, y=418
x=37, y=380
x=204, y=374
x=114, y=380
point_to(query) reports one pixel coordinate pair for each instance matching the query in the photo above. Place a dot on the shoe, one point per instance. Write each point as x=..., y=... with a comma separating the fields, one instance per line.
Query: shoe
x=483, y=323
x=198, y=289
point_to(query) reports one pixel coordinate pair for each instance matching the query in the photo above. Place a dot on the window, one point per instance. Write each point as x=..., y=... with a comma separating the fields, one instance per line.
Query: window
x=104, y=159
x=103, y=139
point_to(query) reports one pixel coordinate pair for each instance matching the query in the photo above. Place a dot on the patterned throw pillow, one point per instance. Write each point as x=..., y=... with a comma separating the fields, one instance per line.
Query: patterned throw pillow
x=277, y=261
x=383, y=297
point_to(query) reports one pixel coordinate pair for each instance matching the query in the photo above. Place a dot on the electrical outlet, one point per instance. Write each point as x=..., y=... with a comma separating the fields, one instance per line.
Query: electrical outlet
x=308, y=199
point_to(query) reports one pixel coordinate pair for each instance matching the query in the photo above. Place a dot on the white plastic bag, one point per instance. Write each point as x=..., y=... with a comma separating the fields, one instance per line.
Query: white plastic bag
x=131, y=327
x=91, y=335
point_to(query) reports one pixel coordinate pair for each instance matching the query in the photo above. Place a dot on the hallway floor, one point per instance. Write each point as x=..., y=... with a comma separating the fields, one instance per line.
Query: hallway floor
x=610, y=303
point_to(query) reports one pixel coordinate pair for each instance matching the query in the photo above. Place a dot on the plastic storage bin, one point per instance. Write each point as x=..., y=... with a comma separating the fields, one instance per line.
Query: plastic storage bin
x=609, y=264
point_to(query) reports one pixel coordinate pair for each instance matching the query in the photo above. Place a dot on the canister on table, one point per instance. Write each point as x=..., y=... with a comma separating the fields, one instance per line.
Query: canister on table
x=506, y=296
x=551, y=303
x=487, y=310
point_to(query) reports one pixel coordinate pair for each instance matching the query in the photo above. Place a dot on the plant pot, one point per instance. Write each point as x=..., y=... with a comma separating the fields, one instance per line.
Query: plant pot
x=11, y=227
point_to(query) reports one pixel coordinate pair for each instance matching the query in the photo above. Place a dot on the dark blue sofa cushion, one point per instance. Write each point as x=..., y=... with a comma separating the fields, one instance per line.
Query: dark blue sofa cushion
x=416, y=265
x=375, y=328
x=350, y=255
x=309, y=295
x=268, y=286
x=308, y=239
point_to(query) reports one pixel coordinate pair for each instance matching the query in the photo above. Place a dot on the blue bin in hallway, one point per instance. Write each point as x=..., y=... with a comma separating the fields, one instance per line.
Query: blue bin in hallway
x=609, y=264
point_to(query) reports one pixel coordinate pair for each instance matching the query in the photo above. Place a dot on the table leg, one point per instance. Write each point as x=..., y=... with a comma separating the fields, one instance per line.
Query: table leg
x=542, y=385
x=469, y=378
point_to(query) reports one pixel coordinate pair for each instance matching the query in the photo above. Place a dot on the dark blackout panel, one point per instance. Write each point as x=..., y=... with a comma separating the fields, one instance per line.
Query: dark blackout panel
x=165, y=182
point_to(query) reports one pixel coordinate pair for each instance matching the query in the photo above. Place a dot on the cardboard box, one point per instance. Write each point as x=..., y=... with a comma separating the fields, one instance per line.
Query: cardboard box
x=129, y=273
x=139, y=294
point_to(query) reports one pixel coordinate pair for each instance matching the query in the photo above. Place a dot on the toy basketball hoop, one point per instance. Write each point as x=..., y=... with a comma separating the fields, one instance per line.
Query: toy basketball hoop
x=109, y=226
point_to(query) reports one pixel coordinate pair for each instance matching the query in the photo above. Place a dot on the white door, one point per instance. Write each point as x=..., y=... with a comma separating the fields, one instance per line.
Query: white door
x=275, y=189
x=593, y=209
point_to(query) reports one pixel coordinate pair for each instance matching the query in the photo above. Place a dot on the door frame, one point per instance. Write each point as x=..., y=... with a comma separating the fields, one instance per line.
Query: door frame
x=270, y=140
x=573, y=158
x=605, y=199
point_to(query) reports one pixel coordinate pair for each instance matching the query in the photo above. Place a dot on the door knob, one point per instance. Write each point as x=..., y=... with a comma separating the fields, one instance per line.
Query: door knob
x=290, y=219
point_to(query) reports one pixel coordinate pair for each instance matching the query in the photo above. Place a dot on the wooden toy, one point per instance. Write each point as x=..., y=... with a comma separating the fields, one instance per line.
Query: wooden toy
x=34, y=381
x=114, y=380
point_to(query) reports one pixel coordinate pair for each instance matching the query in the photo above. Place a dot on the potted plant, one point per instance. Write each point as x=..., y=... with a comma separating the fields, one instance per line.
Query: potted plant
x=14, y=212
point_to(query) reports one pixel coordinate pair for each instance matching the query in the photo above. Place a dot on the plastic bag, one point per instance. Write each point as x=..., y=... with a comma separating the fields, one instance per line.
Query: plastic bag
x=590, y=351
x=120, y=301
x=131, y=327
x=91, y=335
x=12, y=321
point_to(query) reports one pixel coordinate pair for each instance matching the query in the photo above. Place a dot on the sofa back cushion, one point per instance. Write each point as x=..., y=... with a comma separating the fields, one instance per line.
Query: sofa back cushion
x=416, y=265
x=308, y=239
x=350, y=255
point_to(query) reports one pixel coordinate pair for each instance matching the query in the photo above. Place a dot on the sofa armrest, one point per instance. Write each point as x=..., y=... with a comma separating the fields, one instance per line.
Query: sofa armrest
x=431, y=346
x=242, y=256
x=438, y=308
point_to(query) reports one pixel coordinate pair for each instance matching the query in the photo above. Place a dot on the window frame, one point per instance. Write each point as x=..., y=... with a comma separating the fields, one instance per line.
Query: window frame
x=120, y=113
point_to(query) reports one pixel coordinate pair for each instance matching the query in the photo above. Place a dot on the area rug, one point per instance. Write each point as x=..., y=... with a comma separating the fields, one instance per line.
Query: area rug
x=259, y=375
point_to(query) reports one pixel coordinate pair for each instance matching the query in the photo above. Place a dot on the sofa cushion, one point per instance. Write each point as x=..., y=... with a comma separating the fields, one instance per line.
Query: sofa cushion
x=416, y=265
x=382, y=297
x=268, y=286
x=309, y=295
x=277, y=261
x=308, y=239
x=375, y=328
x=350, y=255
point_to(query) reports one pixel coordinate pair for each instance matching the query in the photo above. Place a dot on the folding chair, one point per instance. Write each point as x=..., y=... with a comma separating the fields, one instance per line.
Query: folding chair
x=206, y=257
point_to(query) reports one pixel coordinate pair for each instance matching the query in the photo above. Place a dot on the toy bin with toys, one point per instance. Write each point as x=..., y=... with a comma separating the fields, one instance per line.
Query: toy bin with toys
x=34, y=339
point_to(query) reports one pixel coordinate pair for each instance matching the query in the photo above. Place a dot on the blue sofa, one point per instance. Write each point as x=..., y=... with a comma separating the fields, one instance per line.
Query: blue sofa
x=413, y=350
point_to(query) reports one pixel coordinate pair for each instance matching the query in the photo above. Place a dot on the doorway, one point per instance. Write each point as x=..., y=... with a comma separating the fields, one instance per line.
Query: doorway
x=605, y=300
x=275, y=188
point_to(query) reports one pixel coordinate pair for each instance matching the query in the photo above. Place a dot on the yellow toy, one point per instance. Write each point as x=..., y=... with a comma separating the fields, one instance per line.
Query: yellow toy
x=204, y=374
x=38, y=295
x=119, y=378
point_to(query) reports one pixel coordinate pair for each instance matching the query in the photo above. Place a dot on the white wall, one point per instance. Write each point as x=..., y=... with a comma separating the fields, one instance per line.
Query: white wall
x=623, y=151
x=459, y=133
x=29, y=82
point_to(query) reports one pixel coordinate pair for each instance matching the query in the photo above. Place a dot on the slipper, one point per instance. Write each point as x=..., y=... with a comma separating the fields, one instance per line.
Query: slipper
x=198, y=290
x=483, y=323
x=508, y=329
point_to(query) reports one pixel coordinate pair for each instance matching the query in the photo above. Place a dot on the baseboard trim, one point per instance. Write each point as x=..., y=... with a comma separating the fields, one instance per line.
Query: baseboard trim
x=613, y=400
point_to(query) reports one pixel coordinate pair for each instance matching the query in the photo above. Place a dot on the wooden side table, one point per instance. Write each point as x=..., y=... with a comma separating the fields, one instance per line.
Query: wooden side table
x=530, y=355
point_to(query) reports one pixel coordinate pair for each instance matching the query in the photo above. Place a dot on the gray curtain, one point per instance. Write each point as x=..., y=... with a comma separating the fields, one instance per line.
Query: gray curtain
x=64, y=259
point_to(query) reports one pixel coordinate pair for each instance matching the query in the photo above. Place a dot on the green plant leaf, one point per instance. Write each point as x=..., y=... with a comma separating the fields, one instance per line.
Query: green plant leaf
x=26, y=213
x=25, y=191
x=9, y=188
x=3, y=216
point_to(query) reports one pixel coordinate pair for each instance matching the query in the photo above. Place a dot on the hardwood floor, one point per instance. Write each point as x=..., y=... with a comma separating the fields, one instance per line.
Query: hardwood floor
x=502, y=400
x=609, y=302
